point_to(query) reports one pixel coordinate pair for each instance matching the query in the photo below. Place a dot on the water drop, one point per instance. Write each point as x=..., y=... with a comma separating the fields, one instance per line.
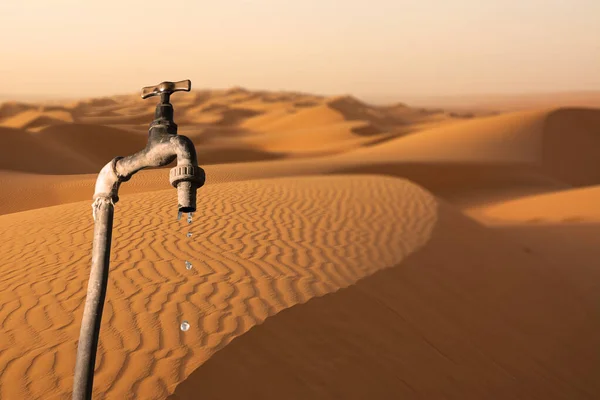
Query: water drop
x=185, y=326
x=188, y=265
x=189, y=234
x=179, y=215
x=189, y=219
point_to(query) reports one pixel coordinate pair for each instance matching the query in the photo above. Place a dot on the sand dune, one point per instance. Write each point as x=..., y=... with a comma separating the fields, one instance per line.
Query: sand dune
x=524, y=149
x=287, y=255
x=334, y=251
x=11, y=108
x=509, y=138
x=32, y=119
x=303, y=118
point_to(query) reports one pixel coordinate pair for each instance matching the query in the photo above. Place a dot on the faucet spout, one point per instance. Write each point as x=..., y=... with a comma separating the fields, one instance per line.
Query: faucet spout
x=187, y=176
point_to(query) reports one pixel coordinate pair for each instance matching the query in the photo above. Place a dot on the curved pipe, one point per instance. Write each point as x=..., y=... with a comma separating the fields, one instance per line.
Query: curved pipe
x=159, y=152
x=162, y=149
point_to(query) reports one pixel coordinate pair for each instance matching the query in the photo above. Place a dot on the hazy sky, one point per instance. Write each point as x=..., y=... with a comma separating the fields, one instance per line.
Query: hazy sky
x=367, y=48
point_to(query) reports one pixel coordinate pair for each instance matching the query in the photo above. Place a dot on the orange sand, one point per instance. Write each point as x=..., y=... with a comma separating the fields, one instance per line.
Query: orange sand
x=340, y=250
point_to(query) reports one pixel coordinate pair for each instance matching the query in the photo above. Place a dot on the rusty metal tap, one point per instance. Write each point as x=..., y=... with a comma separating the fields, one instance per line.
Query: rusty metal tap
x=164, y=146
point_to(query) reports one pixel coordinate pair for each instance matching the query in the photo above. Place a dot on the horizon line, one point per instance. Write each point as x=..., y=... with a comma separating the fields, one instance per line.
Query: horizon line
x=364, y=96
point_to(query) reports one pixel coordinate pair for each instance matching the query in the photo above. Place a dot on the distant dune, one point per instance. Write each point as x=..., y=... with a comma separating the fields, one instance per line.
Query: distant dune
x=506, y=102
x=237, y=124
x=561, y=143
x=340, y=250
x=571, y=205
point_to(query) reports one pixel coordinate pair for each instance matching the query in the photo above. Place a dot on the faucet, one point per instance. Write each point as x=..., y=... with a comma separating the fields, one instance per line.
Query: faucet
x=164, y=146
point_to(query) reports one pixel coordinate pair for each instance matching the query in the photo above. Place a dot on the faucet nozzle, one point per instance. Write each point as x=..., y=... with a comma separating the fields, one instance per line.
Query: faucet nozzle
x=187, y=179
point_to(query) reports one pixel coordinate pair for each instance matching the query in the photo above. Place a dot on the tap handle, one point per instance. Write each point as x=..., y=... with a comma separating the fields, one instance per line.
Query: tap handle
x=166, y=88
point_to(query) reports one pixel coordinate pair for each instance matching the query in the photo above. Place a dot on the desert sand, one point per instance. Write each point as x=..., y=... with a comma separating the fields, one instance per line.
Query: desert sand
x=340, y=250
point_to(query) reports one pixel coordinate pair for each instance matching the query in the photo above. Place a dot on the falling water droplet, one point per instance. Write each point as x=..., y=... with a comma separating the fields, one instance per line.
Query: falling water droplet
x=179, y=215
x=189, y=219
x=189, y=234
x=188, y=265
x=185, y=326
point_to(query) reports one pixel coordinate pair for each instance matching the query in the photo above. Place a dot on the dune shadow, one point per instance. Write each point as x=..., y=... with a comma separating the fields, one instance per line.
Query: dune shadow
x=83, y=139
x=355, y=110
x=214, y=107
x=577, y=238
x=571, y=143
x=446, y=178
x=306, y=103
x=277, y=97
x=139, y=118
x=367, y=130
x=12, y=108
x=234, y=116
x=24, y=152
x=450, y=322
x=231, y=155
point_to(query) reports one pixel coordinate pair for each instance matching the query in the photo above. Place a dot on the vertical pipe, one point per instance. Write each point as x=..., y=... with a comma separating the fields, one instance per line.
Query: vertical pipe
x=94, y=302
